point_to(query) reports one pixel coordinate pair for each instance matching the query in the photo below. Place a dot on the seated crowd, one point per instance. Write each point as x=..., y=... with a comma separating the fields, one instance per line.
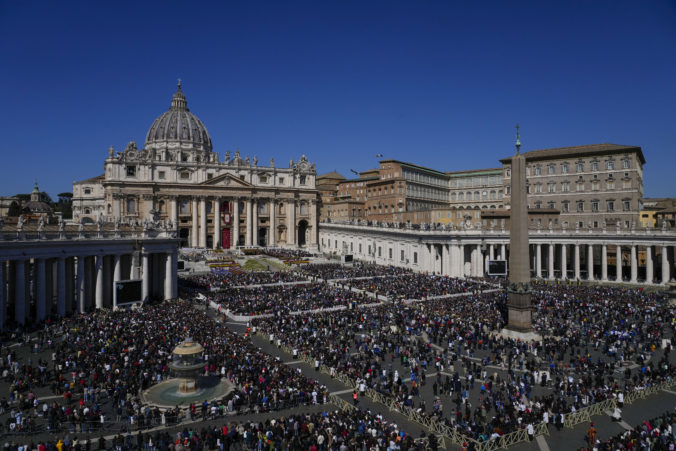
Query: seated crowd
x=414, y=286
x=332, y=271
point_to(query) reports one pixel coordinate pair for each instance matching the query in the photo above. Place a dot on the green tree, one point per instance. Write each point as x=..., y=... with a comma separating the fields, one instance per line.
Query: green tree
x=65, y=205
x=14, y=209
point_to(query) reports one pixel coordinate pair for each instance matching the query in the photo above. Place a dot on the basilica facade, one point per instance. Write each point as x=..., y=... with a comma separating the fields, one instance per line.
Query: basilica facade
x=177, y=179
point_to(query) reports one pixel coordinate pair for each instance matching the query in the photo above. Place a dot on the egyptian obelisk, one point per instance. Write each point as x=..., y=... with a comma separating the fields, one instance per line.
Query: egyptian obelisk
x=518, y=291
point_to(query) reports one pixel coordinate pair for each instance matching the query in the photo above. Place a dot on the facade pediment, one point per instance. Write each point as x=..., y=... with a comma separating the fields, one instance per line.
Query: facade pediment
x=227, y=180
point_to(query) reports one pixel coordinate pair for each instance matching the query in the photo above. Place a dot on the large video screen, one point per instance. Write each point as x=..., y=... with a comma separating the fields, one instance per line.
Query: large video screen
x=128, y=291
x=497, y=267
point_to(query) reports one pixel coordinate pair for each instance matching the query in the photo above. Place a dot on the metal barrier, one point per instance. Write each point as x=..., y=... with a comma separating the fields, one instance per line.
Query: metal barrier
x=424, y=442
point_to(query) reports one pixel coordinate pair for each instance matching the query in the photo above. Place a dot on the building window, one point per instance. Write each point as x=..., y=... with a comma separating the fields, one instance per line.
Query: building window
x=595, y=185
x=564, y=168
x=402, y=256
x=87, y=191
x=360, y=248
x=161, y=175
x=131, y=206
x=610, y=165
x=263, y=178
x=579, y=167
x=453, y=197
x=537, y=170
x=415, y=258
x=538, y=205
x=565, y=187
x=626, y=184
x=550, y=205
x=626, y=164
x=626, y=205
x=564, y=207
x=595, y=166
x=131, y=171
x=610, y=205
x=210, y=175
x=87, y=211
x=580, y=206
x=551, y=188
x=302, y=180
x=550, y=169
x=580, y=186
x=595, y=205
x=303, y=208
x=538, y=187
x=185, y=175
x=185, y=207
x=508, y=173
x=281, y=180
x=610, y=184
x=380, y=251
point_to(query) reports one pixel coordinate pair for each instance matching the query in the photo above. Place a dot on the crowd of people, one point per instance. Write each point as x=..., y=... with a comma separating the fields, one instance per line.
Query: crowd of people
x=656, y=434
x=102, y=361
x=415, y=286
x=282, y=299
x=214, y=282
x=494, y=384
x=333, y=271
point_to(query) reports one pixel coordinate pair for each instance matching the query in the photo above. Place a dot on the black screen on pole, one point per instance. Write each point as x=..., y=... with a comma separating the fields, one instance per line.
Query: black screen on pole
x=497, y=267
x=128, y=291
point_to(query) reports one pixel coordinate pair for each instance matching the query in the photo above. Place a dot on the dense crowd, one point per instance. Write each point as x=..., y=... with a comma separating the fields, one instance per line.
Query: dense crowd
x=389, y=349
x=110, y=357
x=281, y=299
x=657, y=434
x=213, y=282
x=415, y=286
x=332, y=271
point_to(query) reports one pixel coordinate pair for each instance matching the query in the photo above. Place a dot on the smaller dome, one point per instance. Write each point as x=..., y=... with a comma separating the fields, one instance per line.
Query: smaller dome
x=179, y=125
x=36, y=205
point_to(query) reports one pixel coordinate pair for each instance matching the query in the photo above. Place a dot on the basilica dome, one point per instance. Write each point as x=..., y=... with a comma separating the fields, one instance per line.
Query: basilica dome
x=178, y=126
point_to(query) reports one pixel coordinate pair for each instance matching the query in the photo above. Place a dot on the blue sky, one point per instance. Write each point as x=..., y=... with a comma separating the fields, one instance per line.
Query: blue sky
x=436, y=83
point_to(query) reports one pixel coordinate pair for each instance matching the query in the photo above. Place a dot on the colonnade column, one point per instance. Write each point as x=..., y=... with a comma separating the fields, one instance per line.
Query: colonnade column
x=564, y=263
x=272, y=235
x=604, y=262
x=618, y=263
x=146, y=276
x=61, y=287
x=590, y=262
x=80, y=284
x=649, y=264
x=665, y=266
x=20, y=292
x=99, y=282
x=291, y=218
x=550, y=262
x=254, y=229
x=577, y=262
x=168, y=276
x=217, y=224
x=249, y=219
x=234, y=241
x=634, y=264
x=117, y=276
x=203, y=222
x=538, y=260
x=195, y=232
x=41, y=290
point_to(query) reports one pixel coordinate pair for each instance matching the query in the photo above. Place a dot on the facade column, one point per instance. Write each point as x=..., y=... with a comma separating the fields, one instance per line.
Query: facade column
x=249, y=221
x=217, y=224
x=538, y=260
x=491, y=252
x=461, y=260
x=550, y=261
x=20, y=292
x=99, y=281
x=117, y=210
x=272, y=235
x=604, y=262
x=81, y=286
x=61, y=286
x=291, y=225
x=590, y=262
x=618, y=263
x=314, y=225
x=503, y=252
x=117, y=276
x=480, y=261
x=145, y=293
x=634, y=264
x=665, y=266
x=564, y=262
x=195, y=231
x=649, y=264
x=445, y=260
x=254, y=230
x=234, y=241
x=577, y=262
x=40, y=290
x=168, y=276
x=174, y=211
x=203, y=222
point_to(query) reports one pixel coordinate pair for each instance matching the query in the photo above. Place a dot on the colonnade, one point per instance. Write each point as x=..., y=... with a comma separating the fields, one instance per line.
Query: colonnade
x=279, y=219
x=41, y=279
x=637, y=258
